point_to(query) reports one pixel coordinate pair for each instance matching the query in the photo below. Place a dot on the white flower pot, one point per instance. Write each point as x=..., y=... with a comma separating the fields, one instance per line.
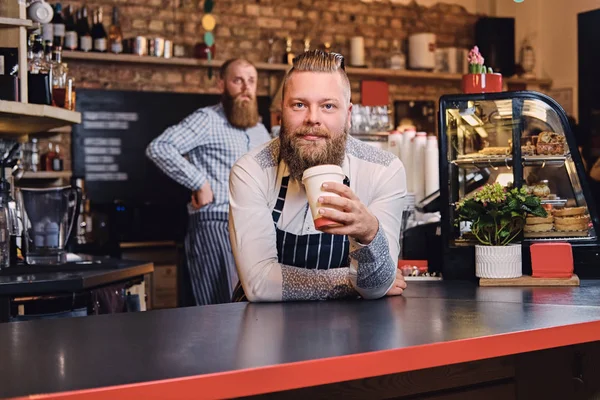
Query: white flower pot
x=498, y=261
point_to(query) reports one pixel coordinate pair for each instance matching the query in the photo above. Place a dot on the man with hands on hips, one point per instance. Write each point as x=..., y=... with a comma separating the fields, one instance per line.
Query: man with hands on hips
x=279, y=254
x=198, y=153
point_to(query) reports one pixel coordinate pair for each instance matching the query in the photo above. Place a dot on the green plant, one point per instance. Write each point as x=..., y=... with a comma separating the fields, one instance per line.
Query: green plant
x=497, y=214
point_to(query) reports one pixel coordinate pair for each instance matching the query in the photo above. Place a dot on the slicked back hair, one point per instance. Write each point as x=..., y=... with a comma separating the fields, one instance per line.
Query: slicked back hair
x=320, y=61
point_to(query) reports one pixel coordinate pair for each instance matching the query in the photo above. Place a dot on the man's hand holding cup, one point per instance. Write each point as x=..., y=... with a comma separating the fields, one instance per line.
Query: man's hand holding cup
x=335, y=207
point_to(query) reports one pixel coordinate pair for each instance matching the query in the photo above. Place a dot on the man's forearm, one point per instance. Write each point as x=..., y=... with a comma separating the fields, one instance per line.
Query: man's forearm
x=373, y=270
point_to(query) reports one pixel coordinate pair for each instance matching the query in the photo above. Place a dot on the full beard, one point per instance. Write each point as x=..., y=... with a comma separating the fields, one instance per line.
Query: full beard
x=300, y=154
x=241, y=113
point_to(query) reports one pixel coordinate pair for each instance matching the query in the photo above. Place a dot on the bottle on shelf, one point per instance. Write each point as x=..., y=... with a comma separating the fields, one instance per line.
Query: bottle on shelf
x=71, y=39
x=47, y=63
x=58, y=26
x=115, y=34
x=57, y=161
x=34, y=161
x=59, y=79
x=48, y=55
x=70, y=96
x=48, y=31
x=397, y=59
x=84, y=220
x=83, y=31
x=288, y=56
x=39, y=75
x=36, y=64
x=30, y=42
x=47, y=157
x=272, y=59
x=98, y=32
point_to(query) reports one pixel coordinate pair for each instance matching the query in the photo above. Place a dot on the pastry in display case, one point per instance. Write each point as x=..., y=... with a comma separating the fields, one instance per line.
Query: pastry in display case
x=518, y=139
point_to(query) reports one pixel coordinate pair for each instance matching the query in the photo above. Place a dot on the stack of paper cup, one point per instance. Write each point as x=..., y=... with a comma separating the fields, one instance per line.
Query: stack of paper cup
x=406, y=156
x=395, y=143
x=418, y=165
x=432, y=162
x=313, y=179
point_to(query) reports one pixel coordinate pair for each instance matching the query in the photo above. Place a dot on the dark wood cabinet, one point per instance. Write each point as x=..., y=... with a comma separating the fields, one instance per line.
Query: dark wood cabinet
x=562, y=373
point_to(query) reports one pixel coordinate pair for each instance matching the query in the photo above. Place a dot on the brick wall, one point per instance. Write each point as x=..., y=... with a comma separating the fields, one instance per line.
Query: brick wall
x=245, y=26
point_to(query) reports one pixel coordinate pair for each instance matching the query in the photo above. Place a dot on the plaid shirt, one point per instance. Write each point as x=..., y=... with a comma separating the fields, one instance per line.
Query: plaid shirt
x=203, y=147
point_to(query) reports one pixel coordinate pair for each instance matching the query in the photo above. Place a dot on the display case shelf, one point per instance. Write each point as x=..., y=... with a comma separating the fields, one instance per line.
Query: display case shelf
x=555, y=235
x=555, y=202
x=484, y=161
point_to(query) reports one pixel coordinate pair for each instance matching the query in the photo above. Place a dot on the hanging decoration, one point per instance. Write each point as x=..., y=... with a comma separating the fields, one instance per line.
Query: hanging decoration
x=208, y=23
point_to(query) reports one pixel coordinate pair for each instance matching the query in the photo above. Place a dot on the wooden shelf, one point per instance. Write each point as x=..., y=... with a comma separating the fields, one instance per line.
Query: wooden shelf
x=22, y=118
x=402, y=74
x=359, y=72
x=47, y=175
x=175, y=61
x=14, y=22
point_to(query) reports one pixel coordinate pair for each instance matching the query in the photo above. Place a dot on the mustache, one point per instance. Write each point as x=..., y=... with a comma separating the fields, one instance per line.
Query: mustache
x=239, y=96
x=312, y=131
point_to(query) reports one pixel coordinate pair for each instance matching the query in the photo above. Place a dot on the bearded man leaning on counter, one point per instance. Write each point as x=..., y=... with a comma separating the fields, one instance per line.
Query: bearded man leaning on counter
x=279, y=254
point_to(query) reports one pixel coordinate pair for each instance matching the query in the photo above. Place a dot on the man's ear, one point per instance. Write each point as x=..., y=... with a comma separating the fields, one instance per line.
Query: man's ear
x=349, y=120
x=221, y=85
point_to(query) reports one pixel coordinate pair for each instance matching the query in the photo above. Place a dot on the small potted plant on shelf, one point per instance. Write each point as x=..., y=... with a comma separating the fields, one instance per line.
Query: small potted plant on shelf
x=497, y=216
x=480, y=79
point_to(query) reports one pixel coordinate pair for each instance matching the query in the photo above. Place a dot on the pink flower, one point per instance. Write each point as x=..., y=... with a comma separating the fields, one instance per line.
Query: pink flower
x=475, y=57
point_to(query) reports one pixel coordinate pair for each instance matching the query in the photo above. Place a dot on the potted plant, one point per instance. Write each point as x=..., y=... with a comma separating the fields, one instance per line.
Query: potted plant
x=497, y=216
x=480, y=79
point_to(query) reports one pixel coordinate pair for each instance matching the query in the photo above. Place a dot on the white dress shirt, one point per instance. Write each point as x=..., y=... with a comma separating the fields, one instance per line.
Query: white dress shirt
x=377, y=177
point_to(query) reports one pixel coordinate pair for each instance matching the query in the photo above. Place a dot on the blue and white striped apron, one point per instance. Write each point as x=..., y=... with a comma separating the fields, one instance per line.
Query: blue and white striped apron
x=209, y=257
x=312, y=251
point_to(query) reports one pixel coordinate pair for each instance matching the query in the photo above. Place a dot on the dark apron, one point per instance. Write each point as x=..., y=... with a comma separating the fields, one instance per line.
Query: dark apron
x=312, y=251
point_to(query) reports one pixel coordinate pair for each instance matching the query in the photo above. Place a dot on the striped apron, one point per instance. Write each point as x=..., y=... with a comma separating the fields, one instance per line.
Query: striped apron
x=312, y=251
x=210, y=260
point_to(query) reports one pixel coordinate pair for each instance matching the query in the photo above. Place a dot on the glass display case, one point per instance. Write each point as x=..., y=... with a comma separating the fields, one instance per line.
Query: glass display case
x=520, y=139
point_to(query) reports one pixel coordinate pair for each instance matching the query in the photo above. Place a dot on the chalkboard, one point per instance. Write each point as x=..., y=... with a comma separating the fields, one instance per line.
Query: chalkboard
x=108, y=147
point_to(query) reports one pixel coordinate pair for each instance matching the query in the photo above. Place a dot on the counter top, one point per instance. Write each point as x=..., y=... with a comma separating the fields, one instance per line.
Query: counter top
x=70, y=277
x=587, y=294
x=242, y=349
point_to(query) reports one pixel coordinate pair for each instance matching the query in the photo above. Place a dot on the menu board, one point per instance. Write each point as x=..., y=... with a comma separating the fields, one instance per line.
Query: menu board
x=109, y=146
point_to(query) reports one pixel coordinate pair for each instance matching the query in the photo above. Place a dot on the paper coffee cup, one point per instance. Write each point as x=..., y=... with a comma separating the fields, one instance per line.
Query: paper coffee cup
x=313, y=179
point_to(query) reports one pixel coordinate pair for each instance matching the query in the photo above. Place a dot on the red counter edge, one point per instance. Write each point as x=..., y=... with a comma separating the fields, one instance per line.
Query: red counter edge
x=248, y=382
